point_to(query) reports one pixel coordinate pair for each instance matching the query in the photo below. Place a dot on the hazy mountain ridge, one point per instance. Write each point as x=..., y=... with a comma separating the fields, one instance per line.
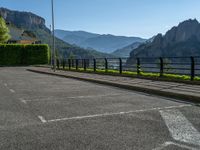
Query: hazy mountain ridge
x=104, y=43
x=182, y=40
x=125, y=51
x=36, y=24
x=85, y=35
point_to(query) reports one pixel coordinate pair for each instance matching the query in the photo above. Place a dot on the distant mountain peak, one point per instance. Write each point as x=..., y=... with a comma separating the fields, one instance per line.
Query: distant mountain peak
x=184, y=31
x=189, y=22
x=181, y=40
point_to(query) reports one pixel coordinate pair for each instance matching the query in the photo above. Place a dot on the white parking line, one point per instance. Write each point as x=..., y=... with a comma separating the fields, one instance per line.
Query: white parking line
x=74, y=97
x=176, y=144
x=162, y=146
x=12, y=91
x=112, y=114
x=180, y=128
x=42, y=119
x=91, y=96
x=22, y=100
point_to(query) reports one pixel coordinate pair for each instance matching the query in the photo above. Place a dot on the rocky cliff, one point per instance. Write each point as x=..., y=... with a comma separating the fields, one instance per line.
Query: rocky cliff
x=34, y=24
x=182, y=40
x=26, y=20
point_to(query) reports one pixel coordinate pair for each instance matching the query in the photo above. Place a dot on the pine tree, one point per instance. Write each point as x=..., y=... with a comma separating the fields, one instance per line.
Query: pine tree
x=4, y=31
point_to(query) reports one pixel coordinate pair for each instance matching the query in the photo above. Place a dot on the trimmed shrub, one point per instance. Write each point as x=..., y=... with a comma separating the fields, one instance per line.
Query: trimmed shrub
x=17, y=54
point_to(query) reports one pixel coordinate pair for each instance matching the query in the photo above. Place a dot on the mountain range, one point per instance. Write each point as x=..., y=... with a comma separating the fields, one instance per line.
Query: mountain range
x=104, y=43
x=180, y=41
x=125, y=51
x=35, y=24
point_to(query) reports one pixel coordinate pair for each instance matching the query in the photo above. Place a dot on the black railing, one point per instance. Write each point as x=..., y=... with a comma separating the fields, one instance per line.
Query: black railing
x=189, y=66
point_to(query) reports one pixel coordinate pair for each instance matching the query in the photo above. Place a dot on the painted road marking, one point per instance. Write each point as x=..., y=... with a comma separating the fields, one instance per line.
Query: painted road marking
x=112, y=114
x=22, y=100
x=74, y=97
x=12, y=91
x=180, y=128
x=91, y=96
x=42, y=119
x=162, y=146
x=176, y=144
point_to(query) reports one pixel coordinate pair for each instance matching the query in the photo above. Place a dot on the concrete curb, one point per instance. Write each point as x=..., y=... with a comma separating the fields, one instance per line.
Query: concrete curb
x=141, y=77
x=184, y=97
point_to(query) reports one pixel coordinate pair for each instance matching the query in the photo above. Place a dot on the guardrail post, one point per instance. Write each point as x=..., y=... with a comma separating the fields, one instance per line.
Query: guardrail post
x=106, y=65
x=76, y=64
x=69, y=63
x=161, y=67
x=95, y=64
x=192, y=68
x=63, y=63
x=87, y=63
x=82, y=63
x=85, y=68
x=120, y=65
x=138, y=66
x=58, y=63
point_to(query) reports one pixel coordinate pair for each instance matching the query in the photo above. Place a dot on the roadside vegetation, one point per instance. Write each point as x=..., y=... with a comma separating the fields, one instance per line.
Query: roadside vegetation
x=20, y=54
x=132, y=73
x=4, y=31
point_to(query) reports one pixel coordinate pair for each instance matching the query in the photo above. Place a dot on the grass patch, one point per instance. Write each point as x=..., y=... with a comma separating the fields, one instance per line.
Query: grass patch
x=182, y=77
x=134, y=73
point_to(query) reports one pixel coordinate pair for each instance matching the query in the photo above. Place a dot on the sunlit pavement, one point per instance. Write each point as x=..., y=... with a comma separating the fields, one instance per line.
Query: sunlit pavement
x=46, y=112
x=178, y=90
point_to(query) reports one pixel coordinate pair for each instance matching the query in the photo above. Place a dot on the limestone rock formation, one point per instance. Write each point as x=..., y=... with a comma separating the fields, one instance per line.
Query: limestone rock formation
x=182, y=40
x=23, y=19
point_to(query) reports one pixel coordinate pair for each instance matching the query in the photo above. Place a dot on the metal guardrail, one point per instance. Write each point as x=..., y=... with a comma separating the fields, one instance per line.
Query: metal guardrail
x=163, y=65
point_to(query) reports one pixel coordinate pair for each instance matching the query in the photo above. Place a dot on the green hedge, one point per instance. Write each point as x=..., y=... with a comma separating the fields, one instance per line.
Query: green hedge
x=17, y=54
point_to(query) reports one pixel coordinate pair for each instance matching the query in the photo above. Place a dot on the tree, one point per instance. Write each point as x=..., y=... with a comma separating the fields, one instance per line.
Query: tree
x=4, y=31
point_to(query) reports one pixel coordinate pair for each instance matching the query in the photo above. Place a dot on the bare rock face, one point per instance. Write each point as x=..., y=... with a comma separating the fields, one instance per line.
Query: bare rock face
x=158, y=40
x=183, y=32
x=23, y=19
x=182, y=40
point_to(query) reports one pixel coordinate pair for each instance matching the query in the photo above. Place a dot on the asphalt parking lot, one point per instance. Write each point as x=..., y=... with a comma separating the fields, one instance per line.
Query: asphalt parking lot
x=52, y=113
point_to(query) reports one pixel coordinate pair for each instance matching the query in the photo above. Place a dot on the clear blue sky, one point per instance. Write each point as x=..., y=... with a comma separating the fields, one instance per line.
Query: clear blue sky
x=143, y=18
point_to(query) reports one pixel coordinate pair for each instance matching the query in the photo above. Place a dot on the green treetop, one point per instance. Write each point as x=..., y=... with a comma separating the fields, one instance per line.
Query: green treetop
x=4, y=31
